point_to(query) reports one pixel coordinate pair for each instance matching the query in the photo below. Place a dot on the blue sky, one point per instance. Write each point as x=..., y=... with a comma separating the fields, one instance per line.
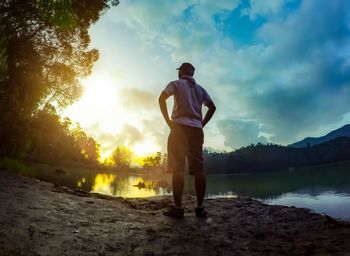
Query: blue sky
x=277, y=70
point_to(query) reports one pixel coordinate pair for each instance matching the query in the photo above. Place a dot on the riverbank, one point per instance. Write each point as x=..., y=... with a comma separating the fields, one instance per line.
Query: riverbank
x=39, y=218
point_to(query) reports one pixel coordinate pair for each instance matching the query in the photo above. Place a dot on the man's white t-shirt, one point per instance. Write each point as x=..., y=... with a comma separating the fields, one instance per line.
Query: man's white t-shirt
x=188, y=100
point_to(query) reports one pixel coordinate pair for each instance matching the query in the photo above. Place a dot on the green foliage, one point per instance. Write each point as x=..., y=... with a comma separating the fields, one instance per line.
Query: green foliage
x=88, y=147
x=57, y=13
x=44, y=51
x=17, y=166
x=59, y=141
x=153, y=161
x=122, y=157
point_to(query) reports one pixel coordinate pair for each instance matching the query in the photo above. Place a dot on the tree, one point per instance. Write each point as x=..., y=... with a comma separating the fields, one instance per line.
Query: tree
x=122, y=157
x=86, y=145
x=153, y=161
x=44, y=50
x=51, y=141
x=58, y=141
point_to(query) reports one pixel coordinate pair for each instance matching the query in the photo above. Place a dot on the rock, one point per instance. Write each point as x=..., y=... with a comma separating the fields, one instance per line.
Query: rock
x=138, y=251
x=84, y=223
x=165, y=247
x=209, y=220
x=140, y=185
x=148, y=253
x=60, y=171
x=150, y=231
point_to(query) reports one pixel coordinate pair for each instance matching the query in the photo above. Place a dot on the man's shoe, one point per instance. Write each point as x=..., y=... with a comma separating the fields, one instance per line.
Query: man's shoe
x=174, y=212
x=201, y=212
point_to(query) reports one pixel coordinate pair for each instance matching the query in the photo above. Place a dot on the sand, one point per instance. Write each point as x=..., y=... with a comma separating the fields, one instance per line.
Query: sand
x=39, y=218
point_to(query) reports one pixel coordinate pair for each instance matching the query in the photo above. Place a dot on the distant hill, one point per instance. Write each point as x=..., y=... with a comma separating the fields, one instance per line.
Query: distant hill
x=311, y=141
x=273, y=157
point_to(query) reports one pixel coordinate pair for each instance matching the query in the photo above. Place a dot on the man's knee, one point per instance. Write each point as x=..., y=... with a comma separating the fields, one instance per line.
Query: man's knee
x=178, y=174
x=199, y=175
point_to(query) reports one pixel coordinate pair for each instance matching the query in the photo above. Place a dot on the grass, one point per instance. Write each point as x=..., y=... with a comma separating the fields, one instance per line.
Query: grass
x=17, y=166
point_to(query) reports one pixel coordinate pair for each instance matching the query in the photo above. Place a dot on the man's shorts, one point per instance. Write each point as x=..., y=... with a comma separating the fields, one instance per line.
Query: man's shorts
x=185, y=142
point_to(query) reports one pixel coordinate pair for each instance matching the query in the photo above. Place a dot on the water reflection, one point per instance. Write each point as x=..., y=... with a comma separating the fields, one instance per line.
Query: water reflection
x=228, y=194
x=125, y=186
x=324, y=189
x=102, y=184
x=81, y=182
x=329, y=202
x=313, y=181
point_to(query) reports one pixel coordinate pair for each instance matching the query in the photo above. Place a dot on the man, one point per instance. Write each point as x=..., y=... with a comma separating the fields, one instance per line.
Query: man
x=186, y=136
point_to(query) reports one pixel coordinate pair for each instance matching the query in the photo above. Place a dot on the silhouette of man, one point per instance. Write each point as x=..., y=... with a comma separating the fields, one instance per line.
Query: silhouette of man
x=186, y=136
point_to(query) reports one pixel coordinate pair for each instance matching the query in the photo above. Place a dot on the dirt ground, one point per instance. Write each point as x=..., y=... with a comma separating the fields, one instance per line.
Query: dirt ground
x=39, y=218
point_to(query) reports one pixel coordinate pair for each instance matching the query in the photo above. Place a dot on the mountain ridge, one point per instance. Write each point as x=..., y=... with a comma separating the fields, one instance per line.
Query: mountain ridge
x=343, y=131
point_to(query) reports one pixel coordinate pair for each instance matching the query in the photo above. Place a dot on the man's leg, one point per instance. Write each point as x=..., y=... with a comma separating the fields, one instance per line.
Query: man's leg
x=196, y=139
x=176, y=162
x=200, y=184
x=178, y=186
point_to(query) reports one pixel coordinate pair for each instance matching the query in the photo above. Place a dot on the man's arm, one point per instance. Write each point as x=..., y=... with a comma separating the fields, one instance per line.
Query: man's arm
x=163, y=107
x=211, y=110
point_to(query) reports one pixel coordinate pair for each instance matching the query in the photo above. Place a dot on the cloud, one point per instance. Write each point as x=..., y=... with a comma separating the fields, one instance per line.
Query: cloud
x=303, y=71
x=156, y=129
x=240, y=133
x=295, y=79
x=148, y=16
x=184, y=28
x=107, y=141
x=128, y=136
x=137, y=99
x=263, y=8
x=296, y=114
x=292, y=79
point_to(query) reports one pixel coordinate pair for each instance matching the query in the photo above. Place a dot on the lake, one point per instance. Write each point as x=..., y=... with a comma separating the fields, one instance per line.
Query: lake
x=323, y=189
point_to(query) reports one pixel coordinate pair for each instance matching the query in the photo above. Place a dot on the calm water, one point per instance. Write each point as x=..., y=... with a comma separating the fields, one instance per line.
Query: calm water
x=322, y=189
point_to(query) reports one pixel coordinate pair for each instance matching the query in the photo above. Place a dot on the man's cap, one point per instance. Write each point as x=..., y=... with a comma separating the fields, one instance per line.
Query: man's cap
x=186, y=67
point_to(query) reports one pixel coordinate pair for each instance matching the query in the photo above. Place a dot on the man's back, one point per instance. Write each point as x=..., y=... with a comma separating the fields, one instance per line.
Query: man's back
x=188, y=100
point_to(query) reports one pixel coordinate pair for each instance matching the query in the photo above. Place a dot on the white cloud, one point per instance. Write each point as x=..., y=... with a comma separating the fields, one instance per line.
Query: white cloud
x=240, y=133
x=263, y=8
x=294, y=80
x=139, y=100
x=303, y=75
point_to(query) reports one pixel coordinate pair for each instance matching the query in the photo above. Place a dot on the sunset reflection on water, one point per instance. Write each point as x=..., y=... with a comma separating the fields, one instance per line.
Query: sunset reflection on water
x=127, y=186
x=324, y=189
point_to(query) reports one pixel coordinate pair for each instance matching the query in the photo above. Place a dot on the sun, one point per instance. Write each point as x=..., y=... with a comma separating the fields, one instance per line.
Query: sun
x=101, y=114
x=99, y=105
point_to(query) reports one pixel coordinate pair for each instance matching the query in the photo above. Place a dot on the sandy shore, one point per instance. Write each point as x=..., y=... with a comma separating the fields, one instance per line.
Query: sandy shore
x=38, y=218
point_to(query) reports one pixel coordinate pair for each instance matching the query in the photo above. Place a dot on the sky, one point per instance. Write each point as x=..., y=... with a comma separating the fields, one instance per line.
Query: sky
x=278, y=71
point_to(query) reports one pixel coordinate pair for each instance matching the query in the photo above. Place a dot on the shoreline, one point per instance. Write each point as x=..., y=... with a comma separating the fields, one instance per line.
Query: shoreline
x=143, y=171
x=40, y=218
x=97, y=180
